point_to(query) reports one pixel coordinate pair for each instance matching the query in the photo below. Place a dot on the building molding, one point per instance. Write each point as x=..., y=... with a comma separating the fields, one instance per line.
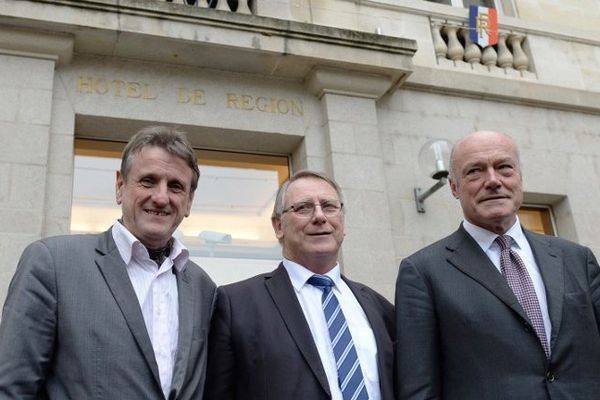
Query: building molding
x=212, y=38
x=334, y=81
x=516, y=91
x=43, y=45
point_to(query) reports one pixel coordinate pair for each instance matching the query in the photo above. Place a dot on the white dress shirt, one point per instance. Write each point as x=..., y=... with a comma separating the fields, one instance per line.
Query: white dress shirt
x=156, y=291
x=309, y=297
x=520, y=245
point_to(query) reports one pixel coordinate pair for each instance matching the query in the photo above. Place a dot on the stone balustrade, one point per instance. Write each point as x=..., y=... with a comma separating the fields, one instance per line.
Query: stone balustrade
x=453, y=47
x=238, y=6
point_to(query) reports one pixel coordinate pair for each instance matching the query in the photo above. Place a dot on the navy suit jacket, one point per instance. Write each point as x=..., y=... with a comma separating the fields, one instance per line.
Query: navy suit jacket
x=261, y=347
x=462, y=334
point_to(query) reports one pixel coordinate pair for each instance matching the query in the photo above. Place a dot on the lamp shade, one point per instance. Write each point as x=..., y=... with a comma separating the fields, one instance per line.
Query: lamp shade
x=434, y=158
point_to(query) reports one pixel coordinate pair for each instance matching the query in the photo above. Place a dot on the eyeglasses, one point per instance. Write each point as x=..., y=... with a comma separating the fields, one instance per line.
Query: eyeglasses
x=305, y=209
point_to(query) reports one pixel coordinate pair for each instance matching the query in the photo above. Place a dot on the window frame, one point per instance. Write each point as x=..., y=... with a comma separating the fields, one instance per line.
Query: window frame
x=547, y=215
x=112, y=149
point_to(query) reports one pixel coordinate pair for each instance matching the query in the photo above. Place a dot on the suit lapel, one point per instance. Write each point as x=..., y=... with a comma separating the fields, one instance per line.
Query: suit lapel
x=186, y=319
x=385, y=350
x=551, y=265
x=281, y=290
x=466, y=255
x=114, y=271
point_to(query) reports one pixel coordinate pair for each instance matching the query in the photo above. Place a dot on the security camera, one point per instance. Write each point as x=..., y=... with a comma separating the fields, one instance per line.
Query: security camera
x=215, y=237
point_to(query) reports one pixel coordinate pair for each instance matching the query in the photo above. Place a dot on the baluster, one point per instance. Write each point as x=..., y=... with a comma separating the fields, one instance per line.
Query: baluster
x=222, y=5
x=520, y=60
x=455, y=49
x=243, y=7
x=505, y=58
x=439, y=45
x=472, y=51
x=489, y=56
x=202, y=3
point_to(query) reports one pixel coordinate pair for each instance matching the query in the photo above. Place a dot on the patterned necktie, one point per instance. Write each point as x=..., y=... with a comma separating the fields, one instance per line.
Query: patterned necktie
x=520, y=282
x=350, y=377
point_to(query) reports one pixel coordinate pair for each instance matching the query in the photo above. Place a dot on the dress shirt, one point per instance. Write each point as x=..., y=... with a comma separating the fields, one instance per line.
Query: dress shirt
x=309, y=297
x=156, y=290
x=520, y=245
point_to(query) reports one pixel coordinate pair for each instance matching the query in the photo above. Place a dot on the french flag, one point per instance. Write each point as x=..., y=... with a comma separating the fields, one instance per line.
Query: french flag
x=483, y=26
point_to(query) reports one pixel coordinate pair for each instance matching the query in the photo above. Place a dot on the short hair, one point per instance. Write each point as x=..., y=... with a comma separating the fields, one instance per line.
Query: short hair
x=169, y=139
x=280, y=199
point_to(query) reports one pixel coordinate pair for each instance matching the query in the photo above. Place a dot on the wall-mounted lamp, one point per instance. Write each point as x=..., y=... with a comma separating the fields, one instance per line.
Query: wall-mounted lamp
x=434, y=159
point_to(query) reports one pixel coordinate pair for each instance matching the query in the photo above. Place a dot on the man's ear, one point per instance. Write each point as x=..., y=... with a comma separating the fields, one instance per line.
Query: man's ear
x=453, y=188
x=189, y=206
x=277, y=228
x=119, y=183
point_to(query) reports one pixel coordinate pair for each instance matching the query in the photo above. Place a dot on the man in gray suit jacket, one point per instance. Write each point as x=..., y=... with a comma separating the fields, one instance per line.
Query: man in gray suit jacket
x=119, y=315
x=487, y=318
x=270, y=338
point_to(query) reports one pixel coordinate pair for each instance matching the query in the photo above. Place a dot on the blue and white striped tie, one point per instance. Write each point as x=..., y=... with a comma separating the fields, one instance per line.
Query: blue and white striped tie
x=350, y=376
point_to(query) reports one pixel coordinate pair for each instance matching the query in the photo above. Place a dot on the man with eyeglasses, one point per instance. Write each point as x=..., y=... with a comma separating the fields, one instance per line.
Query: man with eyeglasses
x=303, y=331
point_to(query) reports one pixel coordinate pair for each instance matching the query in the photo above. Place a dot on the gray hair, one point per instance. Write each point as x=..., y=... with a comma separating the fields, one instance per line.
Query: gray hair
x=280, y=199
x=169, y=139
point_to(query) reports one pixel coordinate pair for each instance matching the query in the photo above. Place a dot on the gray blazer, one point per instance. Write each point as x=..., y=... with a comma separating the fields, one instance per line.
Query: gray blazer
x=261, y=347
x=462, y=335
x=72, y=327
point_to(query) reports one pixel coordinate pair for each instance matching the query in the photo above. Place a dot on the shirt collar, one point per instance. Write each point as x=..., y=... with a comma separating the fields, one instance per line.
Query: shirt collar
x=299, y=274
x=486, y=238
x=128, y=246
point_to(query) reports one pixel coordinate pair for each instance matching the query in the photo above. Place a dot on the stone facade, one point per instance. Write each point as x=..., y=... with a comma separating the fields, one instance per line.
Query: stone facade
x=353, y=88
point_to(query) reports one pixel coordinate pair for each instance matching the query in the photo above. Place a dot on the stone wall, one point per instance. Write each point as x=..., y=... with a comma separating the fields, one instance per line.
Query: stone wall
x=315, y=82
x=560, y=151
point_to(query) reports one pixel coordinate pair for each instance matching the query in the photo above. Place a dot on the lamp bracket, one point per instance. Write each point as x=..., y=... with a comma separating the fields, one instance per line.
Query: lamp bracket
x=421, y=195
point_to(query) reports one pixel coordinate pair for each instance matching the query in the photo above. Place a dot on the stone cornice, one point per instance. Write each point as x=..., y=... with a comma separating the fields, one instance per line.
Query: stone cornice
x=50, y=46
x=516, y=91
x=332, y=81
x=242, y=22
x=176, y=33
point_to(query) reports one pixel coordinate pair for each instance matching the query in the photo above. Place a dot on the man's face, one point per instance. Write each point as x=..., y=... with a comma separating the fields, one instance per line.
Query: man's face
x=487, y=180
x=312, y=241
x=156, y=195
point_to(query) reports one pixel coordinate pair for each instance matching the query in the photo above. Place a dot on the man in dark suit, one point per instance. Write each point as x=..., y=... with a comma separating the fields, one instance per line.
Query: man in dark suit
x=119, y=315
x=494, y=311
x=271, y=335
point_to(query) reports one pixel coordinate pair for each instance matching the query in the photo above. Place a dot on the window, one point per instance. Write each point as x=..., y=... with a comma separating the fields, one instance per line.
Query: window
x=537, y=219
x=229, y=230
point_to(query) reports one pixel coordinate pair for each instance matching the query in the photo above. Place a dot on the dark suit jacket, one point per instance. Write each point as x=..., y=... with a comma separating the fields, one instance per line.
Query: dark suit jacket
x=462, y=335
x=261, y=347
x=72, y=327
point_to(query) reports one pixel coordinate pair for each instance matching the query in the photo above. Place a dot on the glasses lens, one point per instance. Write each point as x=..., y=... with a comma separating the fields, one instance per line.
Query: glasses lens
x=304, y=208
x=307, y=208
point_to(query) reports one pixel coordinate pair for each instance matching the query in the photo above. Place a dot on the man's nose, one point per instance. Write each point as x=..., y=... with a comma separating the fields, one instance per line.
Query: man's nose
x=318, y=214
x=492, y=178
x=161, y=194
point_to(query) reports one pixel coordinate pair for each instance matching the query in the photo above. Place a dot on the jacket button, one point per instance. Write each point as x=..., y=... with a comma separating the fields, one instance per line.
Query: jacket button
x=550, y=376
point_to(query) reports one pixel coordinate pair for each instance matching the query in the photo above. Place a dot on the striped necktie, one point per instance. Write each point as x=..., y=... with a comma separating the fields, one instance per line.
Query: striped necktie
x=513, y=269
x=350, y=377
